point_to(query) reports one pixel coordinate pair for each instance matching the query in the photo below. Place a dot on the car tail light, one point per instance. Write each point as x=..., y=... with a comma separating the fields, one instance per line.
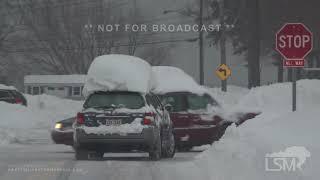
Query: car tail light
x=148, y=118
x=18, y=101
x=80, y=118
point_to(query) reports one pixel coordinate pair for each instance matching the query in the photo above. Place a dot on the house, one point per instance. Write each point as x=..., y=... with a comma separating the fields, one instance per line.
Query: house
x=64, y=86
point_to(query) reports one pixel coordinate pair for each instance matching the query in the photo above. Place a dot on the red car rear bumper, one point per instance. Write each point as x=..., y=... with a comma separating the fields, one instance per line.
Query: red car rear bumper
x=196, y=135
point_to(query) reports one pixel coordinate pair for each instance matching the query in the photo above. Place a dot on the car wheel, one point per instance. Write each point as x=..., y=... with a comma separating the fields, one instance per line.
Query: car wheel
x=81, y=154
x=168, y=143
x=155, y=150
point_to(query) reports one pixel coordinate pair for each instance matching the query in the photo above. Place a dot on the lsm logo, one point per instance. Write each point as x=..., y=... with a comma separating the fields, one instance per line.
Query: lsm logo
x=289, y=160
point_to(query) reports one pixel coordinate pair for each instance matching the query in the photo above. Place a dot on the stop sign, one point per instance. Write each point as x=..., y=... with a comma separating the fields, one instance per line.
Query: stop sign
x=294, y=41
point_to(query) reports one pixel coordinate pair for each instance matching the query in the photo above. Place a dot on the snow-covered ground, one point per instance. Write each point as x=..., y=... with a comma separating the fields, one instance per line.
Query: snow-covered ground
x=231, y=98
x=240, y=155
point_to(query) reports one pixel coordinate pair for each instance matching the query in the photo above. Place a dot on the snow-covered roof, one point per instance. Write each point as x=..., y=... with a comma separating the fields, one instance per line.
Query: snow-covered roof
x=118, y=73
x=55, y=79
x=2, y=86
x=171, y=79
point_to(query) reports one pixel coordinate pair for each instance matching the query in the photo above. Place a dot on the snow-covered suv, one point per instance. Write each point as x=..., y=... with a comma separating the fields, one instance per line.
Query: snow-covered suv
x=121, y=121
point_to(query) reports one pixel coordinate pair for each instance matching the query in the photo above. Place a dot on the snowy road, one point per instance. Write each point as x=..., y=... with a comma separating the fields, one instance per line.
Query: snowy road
x=55, y=162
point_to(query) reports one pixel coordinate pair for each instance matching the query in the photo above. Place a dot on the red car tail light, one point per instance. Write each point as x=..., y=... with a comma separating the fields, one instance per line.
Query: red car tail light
x=18, y=101
x=148, y=119
x=80, y=118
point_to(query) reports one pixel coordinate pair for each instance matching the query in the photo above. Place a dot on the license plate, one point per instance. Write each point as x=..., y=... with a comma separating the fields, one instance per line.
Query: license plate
x=113, y=122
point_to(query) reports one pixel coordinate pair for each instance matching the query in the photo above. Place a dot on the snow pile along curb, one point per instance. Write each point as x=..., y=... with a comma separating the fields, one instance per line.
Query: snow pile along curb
x=241, y=153
x=19, y=124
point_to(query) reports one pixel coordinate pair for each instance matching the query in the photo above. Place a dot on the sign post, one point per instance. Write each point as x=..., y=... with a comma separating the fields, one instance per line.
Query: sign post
x=294, y=89
x=294, y=41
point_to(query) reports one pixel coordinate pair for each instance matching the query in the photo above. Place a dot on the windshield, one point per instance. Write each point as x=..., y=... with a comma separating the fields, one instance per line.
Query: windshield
x=115, y=100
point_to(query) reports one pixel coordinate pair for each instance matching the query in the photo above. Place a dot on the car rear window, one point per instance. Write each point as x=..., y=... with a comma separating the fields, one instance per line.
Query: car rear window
x=4, y=94
x=128, y=100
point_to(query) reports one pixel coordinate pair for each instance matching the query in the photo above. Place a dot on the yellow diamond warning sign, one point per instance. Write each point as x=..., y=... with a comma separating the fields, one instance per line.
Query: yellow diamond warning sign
x=223, y=72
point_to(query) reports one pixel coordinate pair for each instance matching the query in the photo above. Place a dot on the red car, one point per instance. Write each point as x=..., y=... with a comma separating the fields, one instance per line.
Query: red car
x=194, y=113
x=194, y=119
x=193, y=124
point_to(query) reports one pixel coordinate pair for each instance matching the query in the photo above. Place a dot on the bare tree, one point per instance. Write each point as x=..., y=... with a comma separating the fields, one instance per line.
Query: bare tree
x=62, y=38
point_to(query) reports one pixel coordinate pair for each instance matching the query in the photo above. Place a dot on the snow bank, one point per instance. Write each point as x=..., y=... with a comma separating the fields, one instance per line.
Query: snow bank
x=241, y=153
x=231, y=97
x=19, y=124
x=278, y=96
x=171, y=79
x=118, y=72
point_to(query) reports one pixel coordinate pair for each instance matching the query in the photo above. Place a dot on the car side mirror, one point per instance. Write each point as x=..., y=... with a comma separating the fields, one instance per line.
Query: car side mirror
x=168, y=107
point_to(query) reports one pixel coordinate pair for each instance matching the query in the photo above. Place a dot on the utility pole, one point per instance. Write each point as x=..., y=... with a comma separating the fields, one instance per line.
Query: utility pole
x=201, y=63
x=254, y=44
x=223, y=56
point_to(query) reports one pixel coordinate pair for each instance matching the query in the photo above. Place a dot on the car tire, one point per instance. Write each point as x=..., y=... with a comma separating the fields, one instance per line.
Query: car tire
x=155, y=150
x=168, y=144
x=81, y=154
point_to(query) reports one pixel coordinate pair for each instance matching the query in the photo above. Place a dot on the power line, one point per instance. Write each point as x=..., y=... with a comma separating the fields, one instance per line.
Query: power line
x=114, y=46
x=143, y=21
x=102, y=35
x=150, y=35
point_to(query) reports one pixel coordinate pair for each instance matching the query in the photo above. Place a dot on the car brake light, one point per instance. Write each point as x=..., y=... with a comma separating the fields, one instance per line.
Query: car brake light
x=18, y=101
x=80, y=118
x=148, y=118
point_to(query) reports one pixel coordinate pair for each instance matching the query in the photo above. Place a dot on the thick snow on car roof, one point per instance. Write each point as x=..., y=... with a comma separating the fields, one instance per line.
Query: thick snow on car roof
x=2, y=86
x=171, y=79
x=118, y=73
